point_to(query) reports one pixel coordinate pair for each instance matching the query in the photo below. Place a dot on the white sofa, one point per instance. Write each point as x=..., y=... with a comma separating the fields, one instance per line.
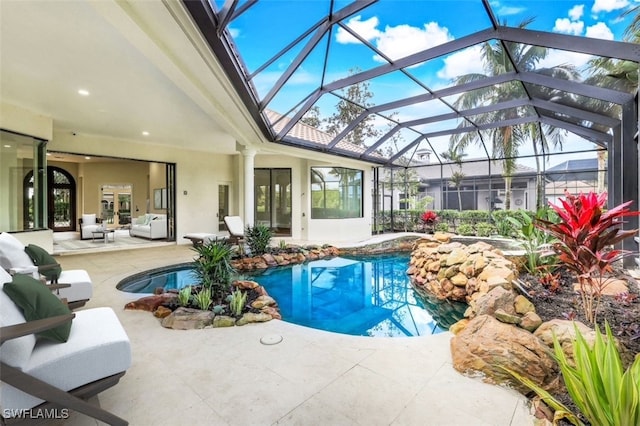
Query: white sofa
x=150, y=225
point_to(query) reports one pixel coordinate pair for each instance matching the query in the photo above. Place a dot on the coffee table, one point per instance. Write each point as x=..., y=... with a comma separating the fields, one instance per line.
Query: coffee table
x=103, y=234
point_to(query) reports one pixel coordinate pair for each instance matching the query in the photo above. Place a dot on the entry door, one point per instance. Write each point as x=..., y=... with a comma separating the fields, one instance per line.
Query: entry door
x=115, y=205
x=223, y=205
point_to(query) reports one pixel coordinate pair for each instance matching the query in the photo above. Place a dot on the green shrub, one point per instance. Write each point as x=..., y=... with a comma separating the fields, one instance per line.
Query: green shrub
x=448, y=215
x=213, y=267
x=465, y=229
x=533, y=240
x=604, y=393
x=442, y=227
x=184, y=296
x=258, y=239
x=475, y=216
x=484, y=229
x=238, y=301
x=203, y=298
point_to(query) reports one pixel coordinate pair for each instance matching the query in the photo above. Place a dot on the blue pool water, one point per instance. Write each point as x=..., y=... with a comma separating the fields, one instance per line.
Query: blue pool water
x=367, y=296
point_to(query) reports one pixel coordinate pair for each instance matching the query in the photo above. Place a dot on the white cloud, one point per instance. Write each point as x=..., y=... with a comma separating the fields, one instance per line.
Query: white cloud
x=576, y=12
x=466, y=61
x=366, y=29
x=599, y=30
x=564, y=25
x=395, y=42
x=563, y=57
x=235, y=32
x=403, y=40
x=608, y=5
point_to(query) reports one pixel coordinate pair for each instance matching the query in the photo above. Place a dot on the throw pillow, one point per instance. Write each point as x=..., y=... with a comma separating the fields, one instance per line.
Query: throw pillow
x=38, y=302
x=141, y=220
x=41, y=257
x=88, y=219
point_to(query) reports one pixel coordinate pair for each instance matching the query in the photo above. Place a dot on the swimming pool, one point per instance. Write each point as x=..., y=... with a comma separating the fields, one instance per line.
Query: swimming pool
x=365, y=296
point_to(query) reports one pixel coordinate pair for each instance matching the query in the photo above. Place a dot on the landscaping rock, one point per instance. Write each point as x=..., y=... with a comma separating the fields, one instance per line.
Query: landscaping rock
x=250, y=317
x=566, y=334
x=486, y=346
x=162, y=312
x=223, y=321
x=263, y=301
x=498, y=298
x=272, y=311
x=506, y=317
x=522, y=305
x=151, y=303
x=188, y=319
x=530, y=321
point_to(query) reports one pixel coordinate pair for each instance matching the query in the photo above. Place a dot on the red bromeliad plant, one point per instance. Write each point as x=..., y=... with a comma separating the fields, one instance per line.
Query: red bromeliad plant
x=586, y=235
x=429, y=217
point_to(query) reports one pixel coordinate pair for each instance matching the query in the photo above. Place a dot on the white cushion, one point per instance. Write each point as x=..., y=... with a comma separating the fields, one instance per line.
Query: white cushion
x=88, y=219
x=98, y=347
x=14, y=352
x=5, y=277
x=12, y=254
x=81, y=287
x=234, y=225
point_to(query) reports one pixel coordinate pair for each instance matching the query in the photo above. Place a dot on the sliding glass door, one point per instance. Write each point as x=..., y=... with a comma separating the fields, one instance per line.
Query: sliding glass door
x=273, y=199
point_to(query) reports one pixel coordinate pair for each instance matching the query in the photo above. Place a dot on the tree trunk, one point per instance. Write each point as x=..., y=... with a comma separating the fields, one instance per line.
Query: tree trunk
x=507, y=193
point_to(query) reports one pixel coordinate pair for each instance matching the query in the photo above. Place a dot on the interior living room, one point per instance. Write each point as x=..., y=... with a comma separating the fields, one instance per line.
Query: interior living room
x=98, y=203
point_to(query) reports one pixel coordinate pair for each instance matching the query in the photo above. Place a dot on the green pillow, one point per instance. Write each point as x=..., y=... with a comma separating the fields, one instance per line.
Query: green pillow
x=38, y=302
x=40, y=257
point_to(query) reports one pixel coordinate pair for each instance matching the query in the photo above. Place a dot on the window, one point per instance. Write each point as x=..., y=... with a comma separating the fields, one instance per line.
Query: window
x=272, y=189
x=23, y=192
x=336, y=193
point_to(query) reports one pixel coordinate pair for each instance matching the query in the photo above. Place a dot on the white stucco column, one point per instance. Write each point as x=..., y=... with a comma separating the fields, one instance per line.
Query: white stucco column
x=248, y=155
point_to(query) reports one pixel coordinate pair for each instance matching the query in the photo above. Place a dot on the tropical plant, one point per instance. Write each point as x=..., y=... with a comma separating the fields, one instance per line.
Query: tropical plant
x=429, y=218
x=442, y=227
x=535, y=241
x=484, y=229
x=465, y=229
x=203, y=298
x=586, y=234
x=258, y=239
x=603, y=392
x=184, y=296
x=455, y=155
x=238, y=301
x=499, y=58
x=213, y=267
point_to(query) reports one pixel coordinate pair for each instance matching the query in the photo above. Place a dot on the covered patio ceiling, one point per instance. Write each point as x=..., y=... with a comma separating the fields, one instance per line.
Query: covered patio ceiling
x=290, y=60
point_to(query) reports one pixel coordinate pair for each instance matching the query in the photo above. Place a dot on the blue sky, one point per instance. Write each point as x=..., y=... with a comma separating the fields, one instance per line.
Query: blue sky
x=399, y=28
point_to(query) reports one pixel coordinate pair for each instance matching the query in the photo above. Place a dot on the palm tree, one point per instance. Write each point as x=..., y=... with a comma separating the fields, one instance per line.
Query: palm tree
x=506, y=141
x=455, y=181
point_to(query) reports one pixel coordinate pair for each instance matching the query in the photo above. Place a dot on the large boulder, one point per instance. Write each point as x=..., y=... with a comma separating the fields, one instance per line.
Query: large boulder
x=188, y=319
x=487, y=347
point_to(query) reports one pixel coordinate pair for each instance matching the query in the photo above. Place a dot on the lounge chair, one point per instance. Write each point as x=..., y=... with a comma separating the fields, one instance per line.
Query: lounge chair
x=43, y=378
x=198, y=238
x=235, y=226
x=15, y=260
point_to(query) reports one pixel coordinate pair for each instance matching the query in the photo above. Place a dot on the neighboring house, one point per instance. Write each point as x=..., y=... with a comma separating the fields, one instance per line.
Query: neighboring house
x=483, y=187
x=575, y=176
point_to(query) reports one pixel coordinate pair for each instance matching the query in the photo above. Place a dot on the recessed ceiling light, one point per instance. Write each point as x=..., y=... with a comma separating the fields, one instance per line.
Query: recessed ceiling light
x=145, y=133
x=83, y=92
x=7, y=146
x=87, y=158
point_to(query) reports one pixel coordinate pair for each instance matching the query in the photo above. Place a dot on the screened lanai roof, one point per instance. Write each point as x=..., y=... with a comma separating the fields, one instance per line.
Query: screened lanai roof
x=413, y=75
